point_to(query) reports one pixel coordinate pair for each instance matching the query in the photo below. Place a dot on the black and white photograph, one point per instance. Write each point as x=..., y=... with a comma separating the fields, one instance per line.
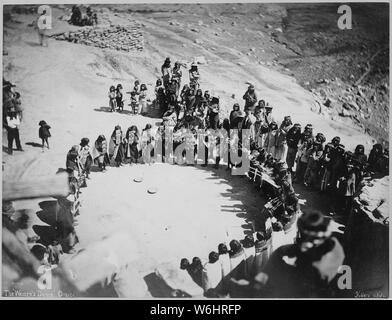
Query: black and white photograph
x=182, y=150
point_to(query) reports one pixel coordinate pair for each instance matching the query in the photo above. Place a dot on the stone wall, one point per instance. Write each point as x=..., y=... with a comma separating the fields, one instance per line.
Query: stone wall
x=123, y=38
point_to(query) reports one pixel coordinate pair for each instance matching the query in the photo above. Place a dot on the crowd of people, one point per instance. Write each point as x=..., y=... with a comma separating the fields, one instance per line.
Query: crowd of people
x=280, y=155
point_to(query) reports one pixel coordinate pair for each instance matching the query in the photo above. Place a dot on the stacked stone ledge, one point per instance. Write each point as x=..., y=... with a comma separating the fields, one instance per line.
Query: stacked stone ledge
x=123, y=38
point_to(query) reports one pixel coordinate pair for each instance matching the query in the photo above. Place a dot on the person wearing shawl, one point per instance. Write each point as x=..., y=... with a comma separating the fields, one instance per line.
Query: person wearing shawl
x=166, y=72
x=292, y=139
x=148, y=143
x=281, y=141
x=308, y=268
x=170, y=117
x=250, y=98
x=213, y=114
x=374, y=156
x=160, y=97
x=184, y=93
x=270, y=141
x=199, y=99
x=249, y=249
x=237, y=260
x=100, y=152
x=224, y=260
x=143, y=99
x=264, y=128
x=311, y=177
x=72, y=161
x=262, y=250
x=194, y=77
x=190, y=99
x=212, y=275
x=116, y=146
x=132, y=147
x=177, y=75
x=249, y=124
x=85, y=157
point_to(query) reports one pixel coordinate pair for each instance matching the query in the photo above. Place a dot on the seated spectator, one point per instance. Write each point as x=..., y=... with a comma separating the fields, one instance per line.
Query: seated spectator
x=212, y=273
x=195, y=270
x=374, y=155
x=249, y=250
x=237, y=260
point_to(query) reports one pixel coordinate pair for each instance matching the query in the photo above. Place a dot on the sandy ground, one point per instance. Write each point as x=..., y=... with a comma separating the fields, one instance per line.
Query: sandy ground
x=194, y=209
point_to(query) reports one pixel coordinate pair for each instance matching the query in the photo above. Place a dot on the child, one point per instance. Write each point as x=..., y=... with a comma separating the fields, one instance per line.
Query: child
x=112, y=98
x=136, y=87
x=44, y=133
x=134, y=103
x=143, y=99
x=119, y=98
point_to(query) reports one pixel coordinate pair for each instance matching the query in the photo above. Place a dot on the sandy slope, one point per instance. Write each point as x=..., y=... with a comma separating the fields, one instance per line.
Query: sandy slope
x=66, y=85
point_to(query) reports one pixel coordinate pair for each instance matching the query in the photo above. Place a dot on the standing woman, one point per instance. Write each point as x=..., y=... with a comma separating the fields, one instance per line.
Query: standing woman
x=115, y=146
x=281, y=141
x=119, y=98
x=270, y=141
x=147, y=140
x=112, y=98
x=293, y=136
x=143, y=99
x=72, y=161
x=199, y=100
x=177, y=74
x=194, y=77
x=100, y=152
x=166, y=72
x=132, y=144
x=159, y=95
x=85, y=157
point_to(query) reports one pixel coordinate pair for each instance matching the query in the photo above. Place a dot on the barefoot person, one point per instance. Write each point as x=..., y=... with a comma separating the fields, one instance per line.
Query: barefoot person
x=44, y=133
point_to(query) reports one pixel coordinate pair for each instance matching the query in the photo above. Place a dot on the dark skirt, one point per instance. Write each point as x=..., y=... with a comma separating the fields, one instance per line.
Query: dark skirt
x=133, y=153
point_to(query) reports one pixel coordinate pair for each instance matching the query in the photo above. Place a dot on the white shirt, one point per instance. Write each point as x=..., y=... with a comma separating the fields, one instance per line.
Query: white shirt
x=13, y=123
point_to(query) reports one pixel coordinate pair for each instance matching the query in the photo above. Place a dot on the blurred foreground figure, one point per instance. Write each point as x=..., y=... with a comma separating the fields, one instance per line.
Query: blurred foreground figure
x=308, y=268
